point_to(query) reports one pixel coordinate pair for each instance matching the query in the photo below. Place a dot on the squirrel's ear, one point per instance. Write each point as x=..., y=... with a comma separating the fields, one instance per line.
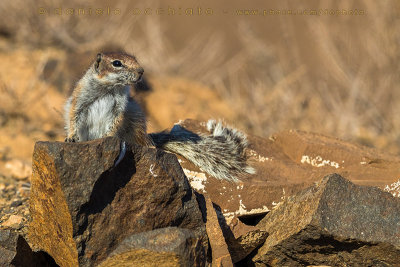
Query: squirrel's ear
x=97, y=64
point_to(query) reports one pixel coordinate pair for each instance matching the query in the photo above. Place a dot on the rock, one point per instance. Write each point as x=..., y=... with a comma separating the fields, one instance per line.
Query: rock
x=15, y=251
x=82, y=208
x=219, y=248
x=18, y=169
x=8, y=246
x=239, y=229
x=393, y=189
x=23, y=189
x=16, y=203
x=169, y=246
x=285, y=164
x=241, y=239
x=14, y=221
x=333, y=222
x=13, y=205
x=229, y=246
x=247, y=243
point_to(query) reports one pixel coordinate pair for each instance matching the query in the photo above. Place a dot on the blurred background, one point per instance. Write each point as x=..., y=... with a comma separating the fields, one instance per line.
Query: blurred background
x=253, y=64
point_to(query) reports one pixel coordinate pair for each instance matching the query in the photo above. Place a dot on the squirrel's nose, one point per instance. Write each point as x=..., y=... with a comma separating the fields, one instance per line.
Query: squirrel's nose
x=138, y=73
x=140, y=70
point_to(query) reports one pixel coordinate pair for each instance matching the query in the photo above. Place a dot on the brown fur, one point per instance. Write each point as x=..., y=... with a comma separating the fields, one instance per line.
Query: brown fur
x=96, y=84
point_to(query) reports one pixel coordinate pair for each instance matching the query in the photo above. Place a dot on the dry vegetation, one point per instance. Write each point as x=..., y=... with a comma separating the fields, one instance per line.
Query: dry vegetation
x=346, y=84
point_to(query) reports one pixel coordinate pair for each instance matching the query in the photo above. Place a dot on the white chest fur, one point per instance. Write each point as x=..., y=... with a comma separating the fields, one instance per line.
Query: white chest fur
x=100, y=117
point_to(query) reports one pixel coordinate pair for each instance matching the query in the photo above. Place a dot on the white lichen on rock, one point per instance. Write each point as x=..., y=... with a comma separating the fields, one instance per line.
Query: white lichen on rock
x=274, y=204
x=196, y=179
x=258, y=157
x=393, y=189
x=228, y=216
x=283, y=197
x=318, y=161
x=239, y=187
x=152, y=170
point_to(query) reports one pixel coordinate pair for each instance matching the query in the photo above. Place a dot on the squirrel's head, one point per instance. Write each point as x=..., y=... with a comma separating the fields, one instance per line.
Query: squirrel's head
x=117, y=68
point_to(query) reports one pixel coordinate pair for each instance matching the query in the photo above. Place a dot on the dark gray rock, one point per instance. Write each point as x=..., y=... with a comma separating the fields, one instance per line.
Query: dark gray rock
x=8, y=246
x=336, y=223
x=15, y=251
x=82, y=207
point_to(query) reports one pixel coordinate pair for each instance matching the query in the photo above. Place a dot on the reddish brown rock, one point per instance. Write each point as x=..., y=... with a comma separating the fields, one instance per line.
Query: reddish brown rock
x=169, y=246
x=335, y=223
x=228, y=246
x=82, y=207
x=286, y=163
x=219, y=248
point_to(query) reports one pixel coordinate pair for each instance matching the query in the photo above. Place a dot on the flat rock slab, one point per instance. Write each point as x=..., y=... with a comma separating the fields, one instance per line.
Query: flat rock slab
x=335, y=223
x=287, y=163
x=82, y=207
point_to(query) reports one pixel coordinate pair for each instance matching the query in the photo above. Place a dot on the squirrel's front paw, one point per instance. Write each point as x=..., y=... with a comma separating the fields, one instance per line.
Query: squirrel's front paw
x=71, y=139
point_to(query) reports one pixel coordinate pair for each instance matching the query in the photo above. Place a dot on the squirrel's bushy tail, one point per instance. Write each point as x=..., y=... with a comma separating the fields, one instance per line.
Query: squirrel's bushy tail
x=220, y=154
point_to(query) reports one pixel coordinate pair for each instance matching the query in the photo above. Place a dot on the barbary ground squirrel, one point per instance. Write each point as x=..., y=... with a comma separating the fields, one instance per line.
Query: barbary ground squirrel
x=100, y=106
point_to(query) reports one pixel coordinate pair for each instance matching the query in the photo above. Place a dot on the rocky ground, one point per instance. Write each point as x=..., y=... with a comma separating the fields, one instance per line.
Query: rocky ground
x=150, y=211
x=14, y=195
x=240, y=68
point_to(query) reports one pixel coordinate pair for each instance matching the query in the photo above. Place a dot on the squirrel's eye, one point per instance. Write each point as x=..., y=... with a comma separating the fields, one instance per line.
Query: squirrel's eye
x=117, y=63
